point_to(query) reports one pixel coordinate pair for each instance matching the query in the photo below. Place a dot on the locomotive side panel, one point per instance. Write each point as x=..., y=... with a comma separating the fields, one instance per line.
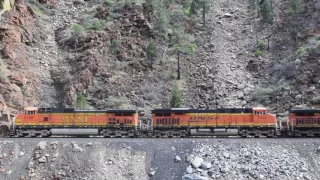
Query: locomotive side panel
x=63, y=121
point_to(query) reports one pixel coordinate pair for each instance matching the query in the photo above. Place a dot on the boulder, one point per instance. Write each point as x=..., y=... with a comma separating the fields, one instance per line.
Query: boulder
x=206, y=165
x=189, y=170
x=197, y=162
x=43, y=159
x=42, y=145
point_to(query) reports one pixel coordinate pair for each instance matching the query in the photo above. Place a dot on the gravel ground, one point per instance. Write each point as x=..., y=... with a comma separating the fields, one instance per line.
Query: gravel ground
x=163, y=159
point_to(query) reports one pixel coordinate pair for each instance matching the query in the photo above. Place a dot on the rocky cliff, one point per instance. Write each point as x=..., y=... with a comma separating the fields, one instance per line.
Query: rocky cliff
x=44, y=63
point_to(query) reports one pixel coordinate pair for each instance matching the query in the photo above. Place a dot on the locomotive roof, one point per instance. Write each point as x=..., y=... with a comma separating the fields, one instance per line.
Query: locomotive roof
x=304, y=110
x=72, y=110
x=219, y=110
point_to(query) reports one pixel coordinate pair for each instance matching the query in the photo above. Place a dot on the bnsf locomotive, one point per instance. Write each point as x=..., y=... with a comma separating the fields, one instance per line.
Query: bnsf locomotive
x=175, y=122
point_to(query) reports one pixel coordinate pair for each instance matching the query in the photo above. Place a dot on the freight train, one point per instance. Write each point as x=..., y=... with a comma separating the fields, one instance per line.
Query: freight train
x=174, y=122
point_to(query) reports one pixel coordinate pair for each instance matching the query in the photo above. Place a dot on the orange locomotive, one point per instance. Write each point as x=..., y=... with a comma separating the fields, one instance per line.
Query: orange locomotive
x=304, y=122
x=241, y=121
x=67, y=121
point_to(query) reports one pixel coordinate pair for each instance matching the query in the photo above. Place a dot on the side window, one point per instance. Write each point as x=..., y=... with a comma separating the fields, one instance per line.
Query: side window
x=46, y=118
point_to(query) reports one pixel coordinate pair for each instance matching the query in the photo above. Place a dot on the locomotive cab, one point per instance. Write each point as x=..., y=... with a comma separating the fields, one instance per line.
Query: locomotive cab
x=261, y=115
x=29, y=115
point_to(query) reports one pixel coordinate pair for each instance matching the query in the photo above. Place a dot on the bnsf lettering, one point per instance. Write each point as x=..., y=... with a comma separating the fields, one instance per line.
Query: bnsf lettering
x=200, y=118
x=75, y=119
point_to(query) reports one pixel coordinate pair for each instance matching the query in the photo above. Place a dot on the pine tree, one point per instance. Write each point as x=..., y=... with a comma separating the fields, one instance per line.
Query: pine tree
x=181, y=45
x=267, y=14
x=151, y=53
x=176, y=97
x=77, y=32
x=81, y=102
x=162, y=18
x=194, y=7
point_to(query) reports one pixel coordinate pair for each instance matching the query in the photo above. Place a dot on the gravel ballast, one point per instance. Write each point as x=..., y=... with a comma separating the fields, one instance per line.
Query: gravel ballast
x=98, y=158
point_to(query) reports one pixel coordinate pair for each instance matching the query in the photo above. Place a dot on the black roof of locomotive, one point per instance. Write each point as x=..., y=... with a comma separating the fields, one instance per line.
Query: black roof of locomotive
x=219, y=110
x=304, y=111
x=72, y=110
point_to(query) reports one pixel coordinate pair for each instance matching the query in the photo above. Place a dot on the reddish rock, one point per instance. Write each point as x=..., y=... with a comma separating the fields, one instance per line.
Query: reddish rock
x=9, y=34
x=19, y=80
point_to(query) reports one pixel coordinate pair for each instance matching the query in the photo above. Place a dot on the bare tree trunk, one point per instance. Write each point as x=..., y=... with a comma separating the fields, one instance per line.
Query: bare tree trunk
x=178, y=66
x=204, y=13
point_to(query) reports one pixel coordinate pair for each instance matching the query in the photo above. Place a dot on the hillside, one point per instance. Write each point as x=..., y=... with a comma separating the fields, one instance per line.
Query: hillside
x=54, y=51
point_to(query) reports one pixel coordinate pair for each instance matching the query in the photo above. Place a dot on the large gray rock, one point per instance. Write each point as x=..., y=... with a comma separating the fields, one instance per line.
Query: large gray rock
x=42, y=145
x=189, y=170
x=206, y=165
x=76, y=148
x=193, y=177
x=197, y=162
x=43, y=159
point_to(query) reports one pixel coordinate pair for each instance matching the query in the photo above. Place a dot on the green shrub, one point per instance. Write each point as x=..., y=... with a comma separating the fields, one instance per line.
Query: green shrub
x=186, y=4
x=187, y=11
x=151, y=52
x=176, y=97
x=262, y=95
x=115, y=15
x=95, y=24
x=81, y=102
x=301, y=51
x=109, y=3
x=191, y=48
x=171, y=75
x=116, y=102
x=127, y=4
x=258, y=53
x=115, y=46
x=39, y=12
x=261, y=45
